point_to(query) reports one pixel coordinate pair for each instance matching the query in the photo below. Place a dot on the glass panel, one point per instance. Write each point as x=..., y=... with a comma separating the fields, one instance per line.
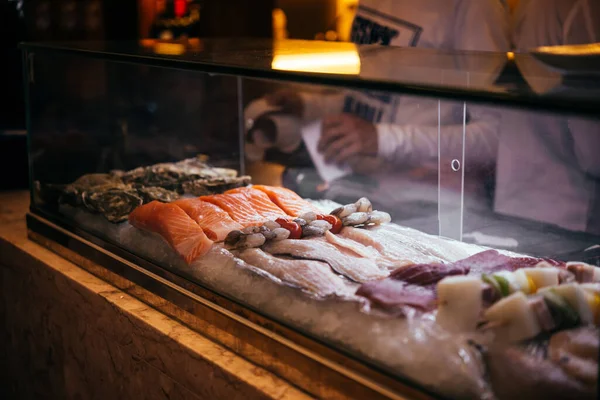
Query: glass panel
x=544, y=199
x=535, y=79
x=92, y=116
x=451, y=145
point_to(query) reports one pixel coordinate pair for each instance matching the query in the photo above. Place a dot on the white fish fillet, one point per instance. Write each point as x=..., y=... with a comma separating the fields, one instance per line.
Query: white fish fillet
x=366, y=252
x=342, y=261
x=445, y=249
x=313, y=276
x=389, y=245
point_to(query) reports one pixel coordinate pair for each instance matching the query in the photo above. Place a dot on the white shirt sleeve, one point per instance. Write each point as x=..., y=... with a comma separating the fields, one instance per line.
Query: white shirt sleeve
x=415, y=144
x=481, y=25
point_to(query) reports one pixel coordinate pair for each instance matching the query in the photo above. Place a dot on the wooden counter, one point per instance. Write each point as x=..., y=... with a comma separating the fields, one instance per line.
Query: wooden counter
x=68, y=334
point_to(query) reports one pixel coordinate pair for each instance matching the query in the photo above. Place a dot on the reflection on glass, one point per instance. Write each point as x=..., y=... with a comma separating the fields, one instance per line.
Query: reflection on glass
x=572, y=50
x=171, y=47
x=316, y=57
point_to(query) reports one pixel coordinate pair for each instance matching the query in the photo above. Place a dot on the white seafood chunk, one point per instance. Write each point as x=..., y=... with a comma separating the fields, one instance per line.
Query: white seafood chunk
x=513, y=319
x=542, y=276
x=460, y=305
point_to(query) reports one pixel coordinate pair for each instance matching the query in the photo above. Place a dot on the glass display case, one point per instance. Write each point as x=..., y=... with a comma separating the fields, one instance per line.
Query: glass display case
x=364, y=221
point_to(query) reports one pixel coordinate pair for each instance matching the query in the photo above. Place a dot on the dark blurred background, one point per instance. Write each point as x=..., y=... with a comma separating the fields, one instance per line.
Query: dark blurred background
x=113, y=20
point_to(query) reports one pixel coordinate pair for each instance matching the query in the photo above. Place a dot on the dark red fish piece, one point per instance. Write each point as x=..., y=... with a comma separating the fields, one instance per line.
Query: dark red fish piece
x=427, y=274
x=392, y=295
x=490, y=261
x=489, y=295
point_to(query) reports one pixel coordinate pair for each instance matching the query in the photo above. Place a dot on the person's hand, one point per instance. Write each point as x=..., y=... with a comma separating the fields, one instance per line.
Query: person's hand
x=289, y=101
x=345, y=136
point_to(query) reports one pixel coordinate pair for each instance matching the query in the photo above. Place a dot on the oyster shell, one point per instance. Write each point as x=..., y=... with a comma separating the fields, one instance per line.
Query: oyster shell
x=157, y=175
x=149, y=194
x=203, y=187
x=171, y=176
x=72, y=193
x=96, y=180
x=117, y=193
x=114, y=204
x=199, y=166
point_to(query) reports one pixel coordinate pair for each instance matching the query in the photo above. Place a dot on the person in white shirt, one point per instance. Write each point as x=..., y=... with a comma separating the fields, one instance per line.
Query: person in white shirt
x=548, y=164
x=403, y=130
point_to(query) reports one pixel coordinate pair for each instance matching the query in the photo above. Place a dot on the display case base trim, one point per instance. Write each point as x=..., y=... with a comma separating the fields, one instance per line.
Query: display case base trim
x=310, y=365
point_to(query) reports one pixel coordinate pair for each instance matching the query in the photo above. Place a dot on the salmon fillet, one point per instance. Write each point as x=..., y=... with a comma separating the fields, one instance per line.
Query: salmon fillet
x=214, y=221
x=288, y=200
x=246, y=206
x=172, y=223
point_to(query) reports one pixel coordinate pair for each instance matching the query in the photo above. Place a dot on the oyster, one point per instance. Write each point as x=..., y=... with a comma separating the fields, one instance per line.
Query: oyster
x=157, y=175
x=72, y=193
x=114, y=204
x=171, y=176
x=149, y=194
x=198, y=166
x=203, y=187
x=96, y=180
x=116, y=194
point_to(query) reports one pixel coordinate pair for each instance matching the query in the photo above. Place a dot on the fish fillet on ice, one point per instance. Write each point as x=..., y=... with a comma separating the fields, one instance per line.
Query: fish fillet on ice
x=214, y=221
x=287, y=200
x=443, y=248
x=182, y=233
x=369, y=252
x=246, y=206
x=356, y=268
x=389, y=246
x=313, y=276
